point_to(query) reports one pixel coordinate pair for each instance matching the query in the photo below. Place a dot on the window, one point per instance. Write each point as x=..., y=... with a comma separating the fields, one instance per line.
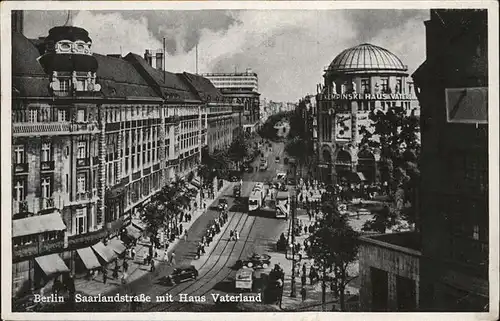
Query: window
x=33, y=115
x=62, y=115
x=399, y=85
x=475, y=232
x=19, y=190
x=80, y=116
x=46, y=155
x=81, y=221
x=82, y=149
x=46, y=192
x=19, y=155
x=385, y=85
x=365, y=85
x=81, y=183
x=64, y=85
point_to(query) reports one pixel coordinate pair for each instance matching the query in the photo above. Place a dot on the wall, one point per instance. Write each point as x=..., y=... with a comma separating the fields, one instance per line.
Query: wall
x=396, y=263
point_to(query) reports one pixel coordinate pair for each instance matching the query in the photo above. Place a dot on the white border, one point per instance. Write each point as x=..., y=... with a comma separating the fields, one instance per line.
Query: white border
x=493, y=117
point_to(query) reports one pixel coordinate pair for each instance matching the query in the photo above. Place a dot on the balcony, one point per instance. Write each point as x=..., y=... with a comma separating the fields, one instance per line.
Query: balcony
x=87, y=239
x=46, y=203
x=47, y=166
x=22, y=252
x=156, y=167
x=21, y=168
x=146, y=171
x=48, y=128
x=83, y=196
x=82, y=162
x=19, y=207
x=83, y=128
x=136, y=175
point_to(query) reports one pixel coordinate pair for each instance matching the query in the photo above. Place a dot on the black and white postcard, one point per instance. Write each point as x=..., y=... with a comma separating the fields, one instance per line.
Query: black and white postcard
x=166, y=160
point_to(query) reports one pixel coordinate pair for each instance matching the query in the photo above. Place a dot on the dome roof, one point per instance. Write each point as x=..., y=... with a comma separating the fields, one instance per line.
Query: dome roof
x=366, y=57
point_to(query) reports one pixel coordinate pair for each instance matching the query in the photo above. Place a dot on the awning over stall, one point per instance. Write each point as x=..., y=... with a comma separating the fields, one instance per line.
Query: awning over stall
x=37, y=224
x=88, y=258
x=51, y=264
x=104, y=252
x=133, y=232
x=117, y=246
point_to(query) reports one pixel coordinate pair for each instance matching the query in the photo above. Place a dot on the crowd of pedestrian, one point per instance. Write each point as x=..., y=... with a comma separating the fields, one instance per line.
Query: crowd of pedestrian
x=213, y=228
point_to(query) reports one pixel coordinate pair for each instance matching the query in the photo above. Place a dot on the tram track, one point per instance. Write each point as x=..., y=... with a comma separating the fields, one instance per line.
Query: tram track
x=180, y=305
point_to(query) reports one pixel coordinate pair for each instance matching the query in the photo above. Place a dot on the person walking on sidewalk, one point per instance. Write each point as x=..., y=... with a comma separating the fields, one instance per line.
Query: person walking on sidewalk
x=172, y=258
x=303, y=293
x=231, y=235
x=125, y=265
x=152, y=269
x=186, y=235
x=236, y=235
x=115, y=271
x=104, y=275
x=124, y=277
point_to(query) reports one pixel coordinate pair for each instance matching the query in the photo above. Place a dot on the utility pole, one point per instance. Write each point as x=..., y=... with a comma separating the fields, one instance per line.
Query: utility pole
x=293, y=294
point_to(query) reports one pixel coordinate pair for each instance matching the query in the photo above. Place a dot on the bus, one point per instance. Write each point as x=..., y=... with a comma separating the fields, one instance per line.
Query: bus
x=282, y=204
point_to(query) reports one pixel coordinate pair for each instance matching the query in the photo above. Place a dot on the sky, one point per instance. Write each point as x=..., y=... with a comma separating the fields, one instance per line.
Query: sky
x=288, y=49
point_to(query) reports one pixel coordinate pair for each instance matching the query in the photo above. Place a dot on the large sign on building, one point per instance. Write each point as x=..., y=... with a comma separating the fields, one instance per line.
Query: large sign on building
x=343, y=126
x=367, y=96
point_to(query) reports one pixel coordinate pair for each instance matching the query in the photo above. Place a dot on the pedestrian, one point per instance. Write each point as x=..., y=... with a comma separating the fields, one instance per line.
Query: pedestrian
x=133, y=253
x=152, y=269
x=236, y=235
x=304, y=269
x=231, y=235
x=104, y=275
x=303, y=293
x=186, y=235
x=172, y=258
x=124, y=277
x=305, y=229
x=303, y=280
x=181, y=229
x=125, y=266
x=115, y=271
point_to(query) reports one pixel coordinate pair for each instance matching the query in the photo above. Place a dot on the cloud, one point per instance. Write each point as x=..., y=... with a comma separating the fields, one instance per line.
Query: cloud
x=289, y=49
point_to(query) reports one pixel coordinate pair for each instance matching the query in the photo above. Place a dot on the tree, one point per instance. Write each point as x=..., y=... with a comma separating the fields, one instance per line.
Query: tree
x=296, y=149
x=334, y=246
x=383, y=218
x=239, y=149
x=154, y=214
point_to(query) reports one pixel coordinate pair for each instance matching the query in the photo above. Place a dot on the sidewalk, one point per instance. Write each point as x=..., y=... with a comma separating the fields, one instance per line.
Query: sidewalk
x=313, y=292
x=136, y=269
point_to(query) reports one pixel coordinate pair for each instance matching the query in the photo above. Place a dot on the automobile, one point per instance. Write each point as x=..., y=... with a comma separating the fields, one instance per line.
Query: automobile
x=222, y=204
x=182, y=274
x=281, y=176
x=234, y=178
x=263, y=165
x=277, y=159
x=291, y=181
x=255, y=261
x=285, y=160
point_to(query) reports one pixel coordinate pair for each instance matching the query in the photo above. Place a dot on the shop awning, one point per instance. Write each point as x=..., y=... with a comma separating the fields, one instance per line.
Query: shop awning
x=133, y=232
x=196, y=182
x=38, y=224
x=51, y=264
x=361, y=176
x=104, y=252
x=88, y=258
x=117, y=246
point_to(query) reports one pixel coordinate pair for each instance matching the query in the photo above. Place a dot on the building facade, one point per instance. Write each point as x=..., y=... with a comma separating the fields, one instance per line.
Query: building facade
x=240, y=88
x=452, y=86
x=93, y=138
x=359, y=80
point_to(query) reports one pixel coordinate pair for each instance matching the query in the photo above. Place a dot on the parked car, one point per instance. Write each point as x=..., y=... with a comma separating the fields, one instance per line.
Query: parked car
x=222, y=204
x=255, y=261
x=182, y=274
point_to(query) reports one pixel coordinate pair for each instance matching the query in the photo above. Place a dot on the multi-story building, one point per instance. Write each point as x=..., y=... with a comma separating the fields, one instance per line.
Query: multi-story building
x=93, y=138
x=444, y=265
x=242, y=88
x=222, y=112
x=452, y=86
x=360, y=79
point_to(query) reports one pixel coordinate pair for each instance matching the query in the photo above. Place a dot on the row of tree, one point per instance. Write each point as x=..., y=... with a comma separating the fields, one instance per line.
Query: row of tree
x=396, y=135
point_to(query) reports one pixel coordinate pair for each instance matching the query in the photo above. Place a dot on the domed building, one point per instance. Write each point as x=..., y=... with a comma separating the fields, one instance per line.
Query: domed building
x=360, y=79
